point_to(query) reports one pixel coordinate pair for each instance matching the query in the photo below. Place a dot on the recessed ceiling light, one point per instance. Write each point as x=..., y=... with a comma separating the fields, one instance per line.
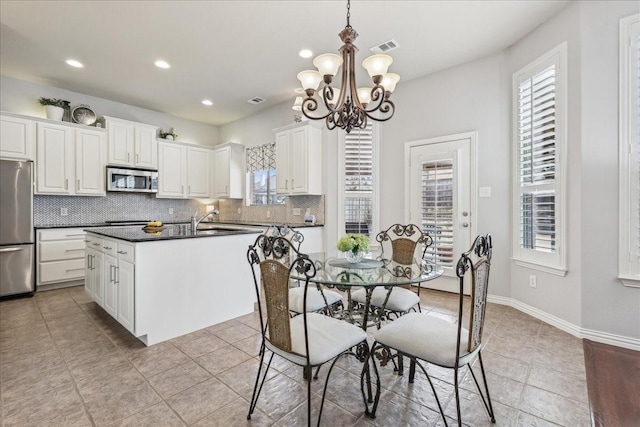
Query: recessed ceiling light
x=162, y=64
x=74, y=63
x=305, y=53
x=207, y=102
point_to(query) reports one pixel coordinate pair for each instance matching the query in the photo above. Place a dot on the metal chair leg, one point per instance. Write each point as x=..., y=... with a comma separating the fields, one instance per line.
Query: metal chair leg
x=257, y=389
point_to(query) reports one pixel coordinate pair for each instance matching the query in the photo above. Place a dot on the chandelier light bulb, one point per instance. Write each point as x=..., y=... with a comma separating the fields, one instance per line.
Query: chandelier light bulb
x=377, y=65
x=364, y=95
x=310, y=79
x=389, y=82
x=297, y=104
x=328, y=64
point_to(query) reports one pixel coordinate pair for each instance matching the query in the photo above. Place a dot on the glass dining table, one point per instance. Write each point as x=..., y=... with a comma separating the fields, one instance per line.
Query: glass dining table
x=368, y=274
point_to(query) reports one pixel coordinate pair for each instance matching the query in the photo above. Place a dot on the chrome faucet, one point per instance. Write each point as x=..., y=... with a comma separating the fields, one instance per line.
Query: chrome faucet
x=195, y=221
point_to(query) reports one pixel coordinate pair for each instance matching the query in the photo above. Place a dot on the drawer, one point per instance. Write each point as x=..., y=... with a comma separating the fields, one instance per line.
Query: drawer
x=93, y=242
x=61, y=234
x=61, y=271
x=126, y=252
x=109, y=247
x=60, y=250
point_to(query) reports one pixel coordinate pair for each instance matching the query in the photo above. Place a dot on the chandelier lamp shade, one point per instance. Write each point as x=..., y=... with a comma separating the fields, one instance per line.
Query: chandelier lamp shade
x=348, y=107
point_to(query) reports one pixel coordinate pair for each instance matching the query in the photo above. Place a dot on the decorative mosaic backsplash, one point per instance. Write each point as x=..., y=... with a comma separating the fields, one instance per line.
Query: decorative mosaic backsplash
x=125, y=206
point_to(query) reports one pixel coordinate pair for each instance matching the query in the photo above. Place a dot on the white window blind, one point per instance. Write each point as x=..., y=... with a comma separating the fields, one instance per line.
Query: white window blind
x=539, y=134
x=437, y=210
x=629, y=250
x=359, y=181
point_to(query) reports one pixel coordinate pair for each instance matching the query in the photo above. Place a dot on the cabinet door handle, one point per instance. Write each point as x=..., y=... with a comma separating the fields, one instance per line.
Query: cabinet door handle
x=122, y=252
x=107, y=248
x=91, y=264
x=137, y=158
x=78, y=185
x=74, y=269
x=96, y=244
x=292, y=186
x=117, y=275
x=66, y=183
x=75, y=235
x=128, y=160
x=73, y=250
x=88, y=262
x=182, y=189
x=111, y=273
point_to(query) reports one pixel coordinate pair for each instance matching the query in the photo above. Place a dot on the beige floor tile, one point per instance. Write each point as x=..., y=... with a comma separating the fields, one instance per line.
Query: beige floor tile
x=555, y=408
x=397, y=410
x=35, y=384
x=104, y=362
x=242, y=378
x=222, y=325
x=564, y=384
x=154, y=416
x=527, y=420
x=201, y=345
x=222, y=359
x=35, y=362
x=250, y=345
x=178, y=379
x=332, y=415
x=236, y=333
x=235, y=415
x=201, y=400
x=153, y=363
x=279, y=396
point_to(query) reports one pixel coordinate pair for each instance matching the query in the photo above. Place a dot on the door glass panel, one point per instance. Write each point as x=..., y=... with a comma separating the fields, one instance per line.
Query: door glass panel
x=437, y=209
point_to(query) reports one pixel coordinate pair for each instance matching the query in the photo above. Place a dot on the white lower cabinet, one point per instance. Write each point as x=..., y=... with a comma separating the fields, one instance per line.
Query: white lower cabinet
x=111, y=277
x=60, y=257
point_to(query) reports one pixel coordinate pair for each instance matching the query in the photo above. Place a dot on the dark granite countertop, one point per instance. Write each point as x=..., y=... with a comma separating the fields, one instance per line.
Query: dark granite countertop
x=237, y=222
x=135, y=233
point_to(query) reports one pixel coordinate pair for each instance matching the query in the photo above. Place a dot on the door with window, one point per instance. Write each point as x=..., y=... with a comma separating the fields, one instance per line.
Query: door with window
x=441, y=202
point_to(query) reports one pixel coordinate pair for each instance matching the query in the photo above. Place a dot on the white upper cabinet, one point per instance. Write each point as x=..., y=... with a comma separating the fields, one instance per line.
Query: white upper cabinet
x=184, y=170
x=132, y=144
x=299, y=159
x=70, y=160
x=90, y=162
x=17, y=138
x=228, y=171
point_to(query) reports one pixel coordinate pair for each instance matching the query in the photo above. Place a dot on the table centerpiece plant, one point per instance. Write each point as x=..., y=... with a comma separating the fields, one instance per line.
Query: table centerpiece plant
x=353, y=246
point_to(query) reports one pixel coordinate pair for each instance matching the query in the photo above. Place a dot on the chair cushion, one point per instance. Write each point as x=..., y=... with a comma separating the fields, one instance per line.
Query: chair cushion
x=328, y=337
x=426, y=337
x=315, y=301
x=400, y=300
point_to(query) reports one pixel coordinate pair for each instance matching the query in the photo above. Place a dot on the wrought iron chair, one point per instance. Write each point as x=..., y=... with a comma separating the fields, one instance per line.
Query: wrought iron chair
x=400, y=243
x=319, y=300
x=424, y=337
x=308, y=340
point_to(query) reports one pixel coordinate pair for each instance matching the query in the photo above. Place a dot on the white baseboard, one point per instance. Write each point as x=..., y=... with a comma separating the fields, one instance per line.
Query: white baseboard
x=577, y=331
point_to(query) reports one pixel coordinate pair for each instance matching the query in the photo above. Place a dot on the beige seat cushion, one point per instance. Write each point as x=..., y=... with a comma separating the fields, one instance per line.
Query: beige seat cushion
x=315, y=301
x=426, y=337
x=328, y=337
x=400, y=300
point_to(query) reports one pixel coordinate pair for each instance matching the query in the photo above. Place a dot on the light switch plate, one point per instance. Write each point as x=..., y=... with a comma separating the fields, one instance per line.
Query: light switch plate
x=484, y=192
x=64, y=212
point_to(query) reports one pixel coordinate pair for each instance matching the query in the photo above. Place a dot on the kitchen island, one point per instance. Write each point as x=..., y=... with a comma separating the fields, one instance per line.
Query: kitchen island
x=163, y=284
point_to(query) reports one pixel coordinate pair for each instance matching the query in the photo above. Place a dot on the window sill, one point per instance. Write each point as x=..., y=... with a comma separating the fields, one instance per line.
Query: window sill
x=558, y=271
x=630, y=281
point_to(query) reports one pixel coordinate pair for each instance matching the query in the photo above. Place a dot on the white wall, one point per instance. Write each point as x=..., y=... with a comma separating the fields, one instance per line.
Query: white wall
x=21, y=97
x=555, y=295
x=606, y=304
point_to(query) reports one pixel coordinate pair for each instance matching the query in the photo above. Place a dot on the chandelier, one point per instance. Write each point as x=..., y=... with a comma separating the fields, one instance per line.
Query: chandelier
x=349, y=107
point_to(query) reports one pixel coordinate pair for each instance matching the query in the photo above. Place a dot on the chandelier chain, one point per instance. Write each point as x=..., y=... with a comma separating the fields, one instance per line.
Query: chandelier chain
x=348, y=13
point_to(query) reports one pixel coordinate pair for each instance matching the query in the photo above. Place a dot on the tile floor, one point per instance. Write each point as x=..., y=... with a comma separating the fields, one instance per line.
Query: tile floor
x=65, y=362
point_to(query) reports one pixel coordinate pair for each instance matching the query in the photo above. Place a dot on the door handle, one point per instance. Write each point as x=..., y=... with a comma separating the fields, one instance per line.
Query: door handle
x=11, y=249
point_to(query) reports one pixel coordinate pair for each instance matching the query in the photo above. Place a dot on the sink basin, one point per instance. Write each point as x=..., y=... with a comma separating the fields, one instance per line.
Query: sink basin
x=208, y=227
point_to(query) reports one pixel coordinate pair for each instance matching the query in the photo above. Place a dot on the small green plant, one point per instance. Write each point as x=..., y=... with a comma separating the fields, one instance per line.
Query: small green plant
x=354, y=243
x=53, y=101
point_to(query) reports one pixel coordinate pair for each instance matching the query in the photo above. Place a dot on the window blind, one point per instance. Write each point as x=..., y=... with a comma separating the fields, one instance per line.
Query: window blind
x=437, y=210
x=358, y=180
x=537, y=160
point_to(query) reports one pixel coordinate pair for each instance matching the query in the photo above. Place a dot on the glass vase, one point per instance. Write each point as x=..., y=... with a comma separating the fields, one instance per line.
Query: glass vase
x=353, y=257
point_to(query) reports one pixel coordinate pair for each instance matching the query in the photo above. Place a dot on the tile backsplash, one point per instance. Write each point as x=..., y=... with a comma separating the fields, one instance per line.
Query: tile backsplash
x=124, y=206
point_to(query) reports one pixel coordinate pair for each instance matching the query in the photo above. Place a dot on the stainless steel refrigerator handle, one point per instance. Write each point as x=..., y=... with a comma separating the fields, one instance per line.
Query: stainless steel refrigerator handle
x=11, y=249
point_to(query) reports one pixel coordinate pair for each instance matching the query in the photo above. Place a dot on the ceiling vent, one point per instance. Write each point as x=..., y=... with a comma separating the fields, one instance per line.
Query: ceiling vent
x=385, y=47
x=256, y=100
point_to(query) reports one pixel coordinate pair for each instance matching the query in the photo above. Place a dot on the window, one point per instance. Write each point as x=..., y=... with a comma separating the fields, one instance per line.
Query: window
x=629, y=241
x=539, y=100
x=358, y=181
x=261, y=175
x=437, y=210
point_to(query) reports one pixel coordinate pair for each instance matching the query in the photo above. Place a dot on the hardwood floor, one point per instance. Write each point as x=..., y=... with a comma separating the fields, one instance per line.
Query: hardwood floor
x=613, y=382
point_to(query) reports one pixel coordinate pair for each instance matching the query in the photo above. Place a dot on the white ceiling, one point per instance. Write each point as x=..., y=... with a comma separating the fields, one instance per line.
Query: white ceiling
x=231, y=51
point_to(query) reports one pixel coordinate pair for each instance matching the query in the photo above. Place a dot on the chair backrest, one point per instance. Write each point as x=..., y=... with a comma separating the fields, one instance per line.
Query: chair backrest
x=476, y=261
x=276, y=258
x=295, y=237
x=405, y=242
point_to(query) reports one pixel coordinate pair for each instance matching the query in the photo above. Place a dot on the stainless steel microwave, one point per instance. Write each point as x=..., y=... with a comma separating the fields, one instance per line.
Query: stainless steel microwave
x=132, y=180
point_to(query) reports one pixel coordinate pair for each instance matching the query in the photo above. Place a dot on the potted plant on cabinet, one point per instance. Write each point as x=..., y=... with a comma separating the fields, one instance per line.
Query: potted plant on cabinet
x=170, y=135
x=53, y=107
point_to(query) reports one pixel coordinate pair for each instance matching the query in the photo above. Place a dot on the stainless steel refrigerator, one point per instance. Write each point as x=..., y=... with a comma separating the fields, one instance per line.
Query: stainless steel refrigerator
x=17, y=268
